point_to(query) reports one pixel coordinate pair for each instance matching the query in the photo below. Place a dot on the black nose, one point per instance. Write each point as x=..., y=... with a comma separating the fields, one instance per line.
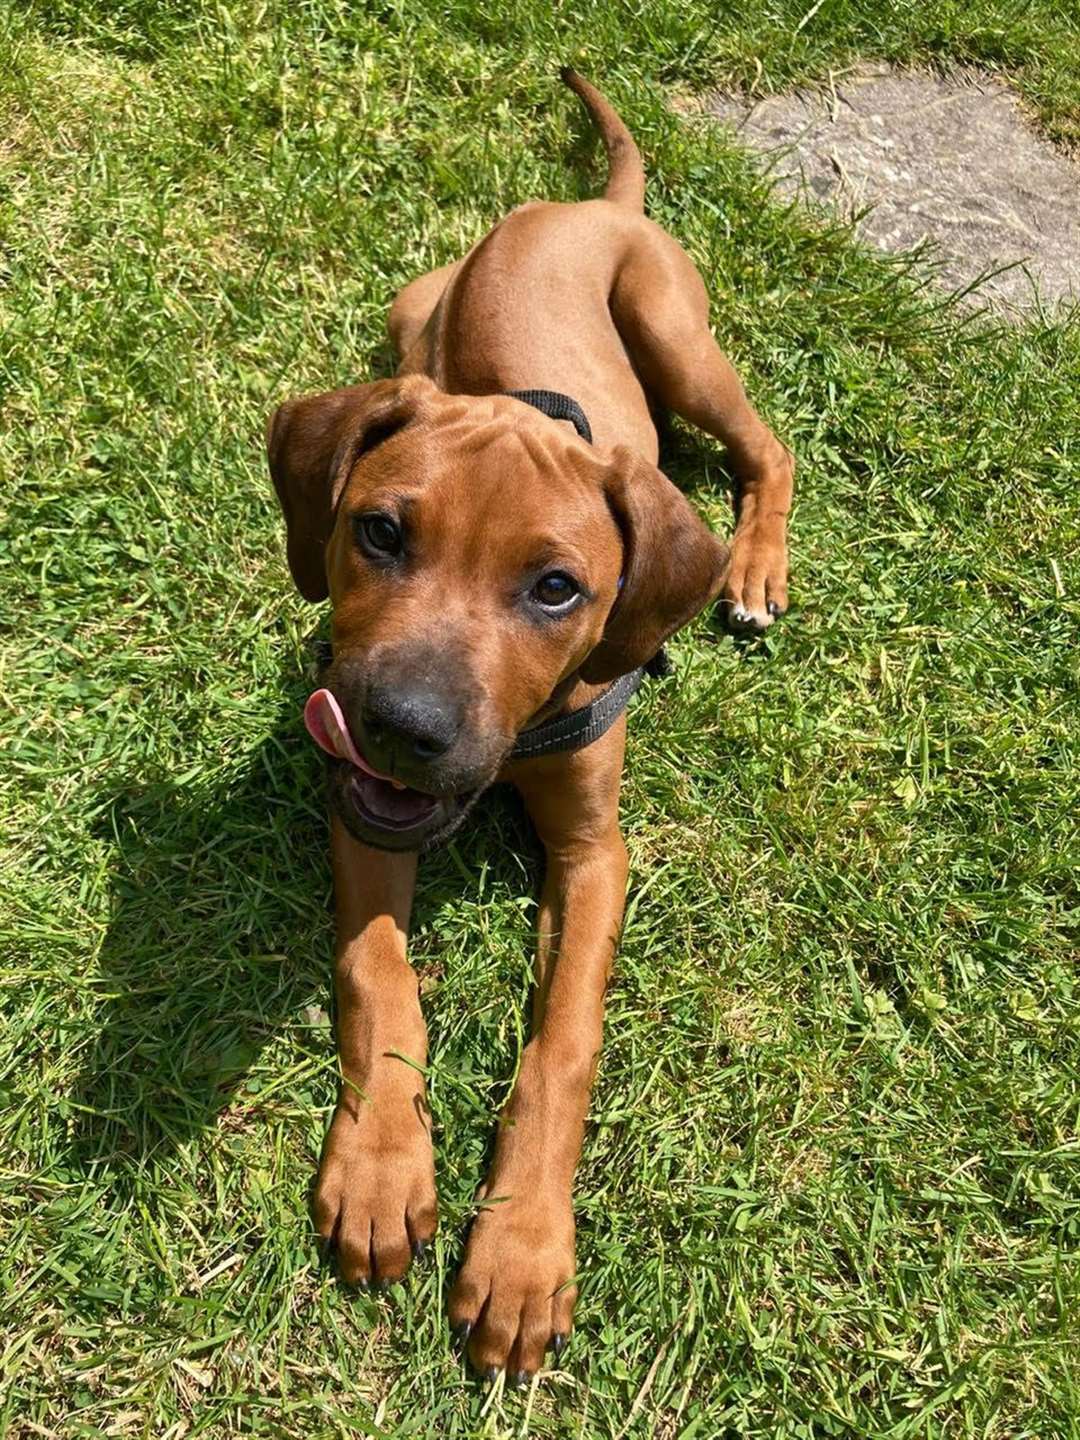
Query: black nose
x=411, y=720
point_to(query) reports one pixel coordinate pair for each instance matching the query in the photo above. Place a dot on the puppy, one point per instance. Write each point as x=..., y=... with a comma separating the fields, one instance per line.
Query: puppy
x=503, y=557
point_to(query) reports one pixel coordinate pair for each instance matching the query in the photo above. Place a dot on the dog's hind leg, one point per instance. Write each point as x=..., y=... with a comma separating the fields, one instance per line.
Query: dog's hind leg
x=413, y=305
x=661, y=309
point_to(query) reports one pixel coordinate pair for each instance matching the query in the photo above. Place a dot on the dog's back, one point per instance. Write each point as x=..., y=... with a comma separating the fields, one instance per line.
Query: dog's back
x=515, y=311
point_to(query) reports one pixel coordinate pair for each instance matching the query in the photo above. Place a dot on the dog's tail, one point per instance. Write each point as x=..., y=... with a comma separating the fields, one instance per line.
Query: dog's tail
x=626, y=173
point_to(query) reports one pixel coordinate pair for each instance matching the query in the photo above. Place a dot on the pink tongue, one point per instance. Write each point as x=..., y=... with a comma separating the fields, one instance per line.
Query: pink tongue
x=391, y=800
x=329, y=729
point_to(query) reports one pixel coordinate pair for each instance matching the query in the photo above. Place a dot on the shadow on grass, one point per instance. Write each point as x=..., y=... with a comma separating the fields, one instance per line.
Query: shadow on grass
x=219, y=933
x=222, y=934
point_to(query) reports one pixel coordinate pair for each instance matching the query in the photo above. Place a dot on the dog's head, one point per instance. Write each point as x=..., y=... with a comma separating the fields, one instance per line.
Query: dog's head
x=478, y=559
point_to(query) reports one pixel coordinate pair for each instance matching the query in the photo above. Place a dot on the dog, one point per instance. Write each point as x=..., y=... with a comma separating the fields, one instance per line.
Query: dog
x=501, y=561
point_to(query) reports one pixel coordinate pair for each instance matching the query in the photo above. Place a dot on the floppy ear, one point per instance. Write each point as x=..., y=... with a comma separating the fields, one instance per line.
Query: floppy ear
x=312, y=444
x=673, y=565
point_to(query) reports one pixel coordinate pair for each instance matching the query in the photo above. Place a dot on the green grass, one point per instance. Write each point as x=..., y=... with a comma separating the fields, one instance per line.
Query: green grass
x=830, y=1185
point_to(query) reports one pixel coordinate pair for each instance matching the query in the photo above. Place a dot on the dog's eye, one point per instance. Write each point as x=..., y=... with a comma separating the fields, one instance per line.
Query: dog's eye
x=378, y=535
x=555, y=591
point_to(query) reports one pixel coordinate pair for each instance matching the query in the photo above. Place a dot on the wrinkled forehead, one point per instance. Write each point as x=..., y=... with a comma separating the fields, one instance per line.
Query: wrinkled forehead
x=484, y=491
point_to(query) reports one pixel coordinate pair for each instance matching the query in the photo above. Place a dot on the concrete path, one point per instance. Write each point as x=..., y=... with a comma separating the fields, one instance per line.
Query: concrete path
x=950, y=158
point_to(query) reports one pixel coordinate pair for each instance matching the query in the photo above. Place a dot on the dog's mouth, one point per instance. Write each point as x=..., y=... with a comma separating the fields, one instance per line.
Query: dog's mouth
x=377, y=808
x=390, y=804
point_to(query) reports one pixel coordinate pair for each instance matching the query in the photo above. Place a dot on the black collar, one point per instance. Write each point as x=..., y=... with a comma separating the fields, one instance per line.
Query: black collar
x=578, y=728
x=557, y=407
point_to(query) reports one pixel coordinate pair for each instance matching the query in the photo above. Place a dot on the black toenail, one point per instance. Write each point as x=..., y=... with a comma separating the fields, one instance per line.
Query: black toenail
x=419, y=1249
x=774, y=608
x=323, y=1248
x=462, y=1331
x=558, y=1344
x=521, y=1379
x=362, y=1284
x=491, y=1372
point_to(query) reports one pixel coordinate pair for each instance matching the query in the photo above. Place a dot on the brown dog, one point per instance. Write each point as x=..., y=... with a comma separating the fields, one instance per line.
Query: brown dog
x=489, y=569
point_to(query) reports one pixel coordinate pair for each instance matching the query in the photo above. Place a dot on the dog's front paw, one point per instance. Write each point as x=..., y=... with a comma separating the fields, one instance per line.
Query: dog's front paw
x=755, y=587
x=514, y=1297
x=374, y=1203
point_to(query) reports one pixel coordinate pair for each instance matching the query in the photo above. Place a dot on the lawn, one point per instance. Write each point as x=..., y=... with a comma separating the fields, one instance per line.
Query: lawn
x=831, y=1183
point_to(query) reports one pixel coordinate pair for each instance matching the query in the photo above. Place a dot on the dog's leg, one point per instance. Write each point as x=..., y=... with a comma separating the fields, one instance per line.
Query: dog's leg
x=413, y=305
x=661, y=308
x=515, y=1293
x=375, y=1195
